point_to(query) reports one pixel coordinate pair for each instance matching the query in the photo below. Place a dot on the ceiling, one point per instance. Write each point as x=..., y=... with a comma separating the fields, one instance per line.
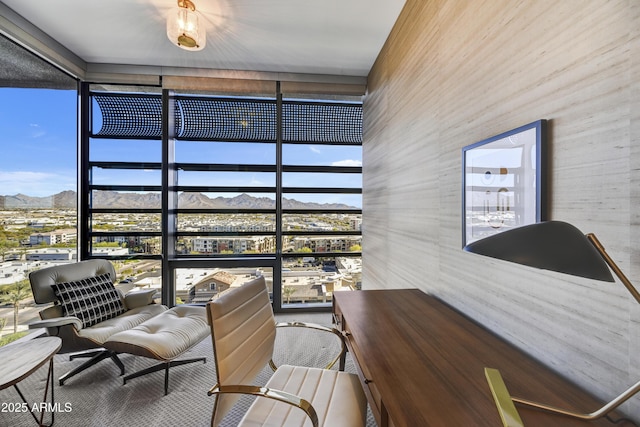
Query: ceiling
x=321, y=37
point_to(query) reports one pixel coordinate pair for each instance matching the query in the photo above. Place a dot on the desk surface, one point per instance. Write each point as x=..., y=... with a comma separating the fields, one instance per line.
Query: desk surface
x=19, y=360
x=422, y=363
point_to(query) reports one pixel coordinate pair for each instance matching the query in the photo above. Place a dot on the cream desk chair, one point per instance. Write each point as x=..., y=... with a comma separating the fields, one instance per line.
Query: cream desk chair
x=243, y=331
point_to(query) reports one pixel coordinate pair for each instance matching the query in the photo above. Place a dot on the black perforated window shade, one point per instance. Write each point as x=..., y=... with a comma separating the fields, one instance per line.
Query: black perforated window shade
x=229, y=119
x=226, y=119
x=130, y=116
x=321, y=123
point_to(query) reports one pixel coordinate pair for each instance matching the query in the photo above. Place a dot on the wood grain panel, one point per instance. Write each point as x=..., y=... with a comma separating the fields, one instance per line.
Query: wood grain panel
x=454, y=72
x=431, y=372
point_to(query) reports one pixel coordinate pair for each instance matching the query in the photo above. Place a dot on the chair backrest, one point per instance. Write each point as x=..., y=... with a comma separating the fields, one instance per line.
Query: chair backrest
x=41, y=280
x=243, y=333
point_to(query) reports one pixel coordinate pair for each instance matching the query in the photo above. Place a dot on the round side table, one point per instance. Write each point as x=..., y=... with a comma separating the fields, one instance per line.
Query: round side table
x=21, y=359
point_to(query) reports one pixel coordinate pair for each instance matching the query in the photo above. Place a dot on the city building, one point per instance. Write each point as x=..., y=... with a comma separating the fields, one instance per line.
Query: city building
x=236, y=245
x=324, y=244
x=53, y=237
x=448, y=74
x=211, y=286
x=51, y=254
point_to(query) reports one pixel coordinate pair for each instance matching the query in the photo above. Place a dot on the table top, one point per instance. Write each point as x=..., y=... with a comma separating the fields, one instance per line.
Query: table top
x=21, y=359
x=424, y=364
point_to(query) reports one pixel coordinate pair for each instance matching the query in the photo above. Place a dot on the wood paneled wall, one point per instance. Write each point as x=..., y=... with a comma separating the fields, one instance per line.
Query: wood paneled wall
x=454, y=72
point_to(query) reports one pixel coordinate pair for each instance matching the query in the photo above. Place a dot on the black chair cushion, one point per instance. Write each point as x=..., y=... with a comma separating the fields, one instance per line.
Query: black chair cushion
x=92, y=300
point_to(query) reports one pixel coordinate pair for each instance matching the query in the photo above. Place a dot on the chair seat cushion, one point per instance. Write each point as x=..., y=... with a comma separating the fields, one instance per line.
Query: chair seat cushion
x=100, y=332
x=336, y=396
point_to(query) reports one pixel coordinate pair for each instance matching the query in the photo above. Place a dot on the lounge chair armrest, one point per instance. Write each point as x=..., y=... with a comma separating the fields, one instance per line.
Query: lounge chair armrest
x=280, y=396
x=57, y=322
x=317, y=327
x=139, y=298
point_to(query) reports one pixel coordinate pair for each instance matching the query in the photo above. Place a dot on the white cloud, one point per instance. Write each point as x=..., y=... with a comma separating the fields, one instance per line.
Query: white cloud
x=315, y=149
x=255, y=182
x=35, y=184
x=36, y=132
x=347, y=162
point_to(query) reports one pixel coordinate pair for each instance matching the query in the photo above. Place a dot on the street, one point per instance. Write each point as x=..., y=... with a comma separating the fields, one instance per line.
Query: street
x=26, y=315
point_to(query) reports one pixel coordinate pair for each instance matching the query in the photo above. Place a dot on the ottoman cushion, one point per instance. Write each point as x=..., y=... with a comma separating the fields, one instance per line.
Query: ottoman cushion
x=165, y=336
x=129, y=319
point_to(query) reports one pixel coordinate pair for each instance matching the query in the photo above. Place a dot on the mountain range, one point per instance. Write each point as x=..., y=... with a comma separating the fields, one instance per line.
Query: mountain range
x=113, y=200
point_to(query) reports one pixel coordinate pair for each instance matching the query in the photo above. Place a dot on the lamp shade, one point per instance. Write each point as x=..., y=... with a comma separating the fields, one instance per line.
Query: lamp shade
x=551, y=245
x=184, y=27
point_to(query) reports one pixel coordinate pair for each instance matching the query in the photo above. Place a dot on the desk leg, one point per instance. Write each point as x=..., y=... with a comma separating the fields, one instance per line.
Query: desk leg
x=50, y=406
x=384, y=416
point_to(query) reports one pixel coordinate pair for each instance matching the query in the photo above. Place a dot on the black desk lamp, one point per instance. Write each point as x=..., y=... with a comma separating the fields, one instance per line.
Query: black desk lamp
x=561, y=247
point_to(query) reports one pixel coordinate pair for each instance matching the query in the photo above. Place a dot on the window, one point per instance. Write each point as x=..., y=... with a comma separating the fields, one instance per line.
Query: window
x=322, y=199
x=261, y=183
x=122, y=185
x=38, y=212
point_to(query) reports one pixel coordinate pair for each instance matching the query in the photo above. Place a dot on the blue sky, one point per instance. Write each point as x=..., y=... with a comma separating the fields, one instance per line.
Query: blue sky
x=38, y=144
x=37, y=140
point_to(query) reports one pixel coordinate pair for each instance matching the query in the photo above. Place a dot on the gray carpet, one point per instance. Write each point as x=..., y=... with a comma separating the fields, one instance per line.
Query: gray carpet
x=97, y=398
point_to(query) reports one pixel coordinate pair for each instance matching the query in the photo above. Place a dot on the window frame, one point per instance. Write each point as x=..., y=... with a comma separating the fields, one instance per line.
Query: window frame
x=170, y=188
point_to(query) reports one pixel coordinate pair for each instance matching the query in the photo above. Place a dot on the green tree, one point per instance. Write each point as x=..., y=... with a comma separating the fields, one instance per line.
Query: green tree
x=3, y=321
x=23, y=252
x=287, y=291
x=6, y=246
x=106, y=244
x=14, y=295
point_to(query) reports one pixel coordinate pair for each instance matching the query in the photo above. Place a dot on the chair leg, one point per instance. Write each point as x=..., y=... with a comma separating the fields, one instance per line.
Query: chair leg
x=86, y=353
x=117, y=361
x=96, y=356
x=160, y=366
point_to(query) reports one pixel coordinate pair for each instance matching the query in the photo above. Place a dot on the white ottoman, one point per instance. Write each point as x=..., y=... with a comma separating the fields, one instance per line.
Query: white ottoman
x=163, y=337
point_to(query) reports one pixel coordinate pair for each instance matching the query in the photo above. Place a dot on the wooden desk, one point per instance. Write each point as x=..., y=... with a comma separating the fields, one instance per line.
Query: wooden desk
x=421, y=363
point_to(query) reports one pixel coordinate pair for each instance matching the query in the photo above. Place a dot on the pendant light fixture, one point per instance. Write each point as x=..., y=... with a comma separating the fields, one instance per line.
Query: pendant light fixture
x=184, y=27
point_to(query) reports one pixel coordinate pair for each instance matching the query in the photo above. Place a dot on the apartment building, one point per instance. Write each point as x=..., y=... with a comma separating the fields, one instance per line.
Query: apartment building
x=234, y=245
x=53, y=237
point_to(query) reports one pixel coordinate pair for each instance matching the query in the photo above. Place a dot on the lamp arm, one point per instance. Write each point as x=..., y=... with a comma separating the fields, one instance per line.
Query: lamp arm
x=625, y=281
x=613, y=404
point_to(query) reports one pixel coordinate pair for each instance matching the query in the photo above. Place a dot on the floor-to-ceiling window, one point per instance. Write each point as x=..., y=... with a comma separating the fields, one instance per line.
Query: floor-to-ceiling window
x=321, y=199
x=38, y=179
x=200, y=193
x=122, y=184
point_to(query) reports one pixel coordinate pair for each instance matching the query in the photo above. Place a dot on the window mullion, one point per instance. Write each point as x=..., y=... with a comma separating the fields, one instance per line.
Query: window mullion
x=277, y=270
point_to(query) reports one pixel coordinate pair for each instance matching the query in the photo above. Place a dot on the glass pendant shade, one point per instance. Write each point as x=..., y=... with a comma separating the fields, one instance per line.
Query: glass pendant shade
x=184, y=28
